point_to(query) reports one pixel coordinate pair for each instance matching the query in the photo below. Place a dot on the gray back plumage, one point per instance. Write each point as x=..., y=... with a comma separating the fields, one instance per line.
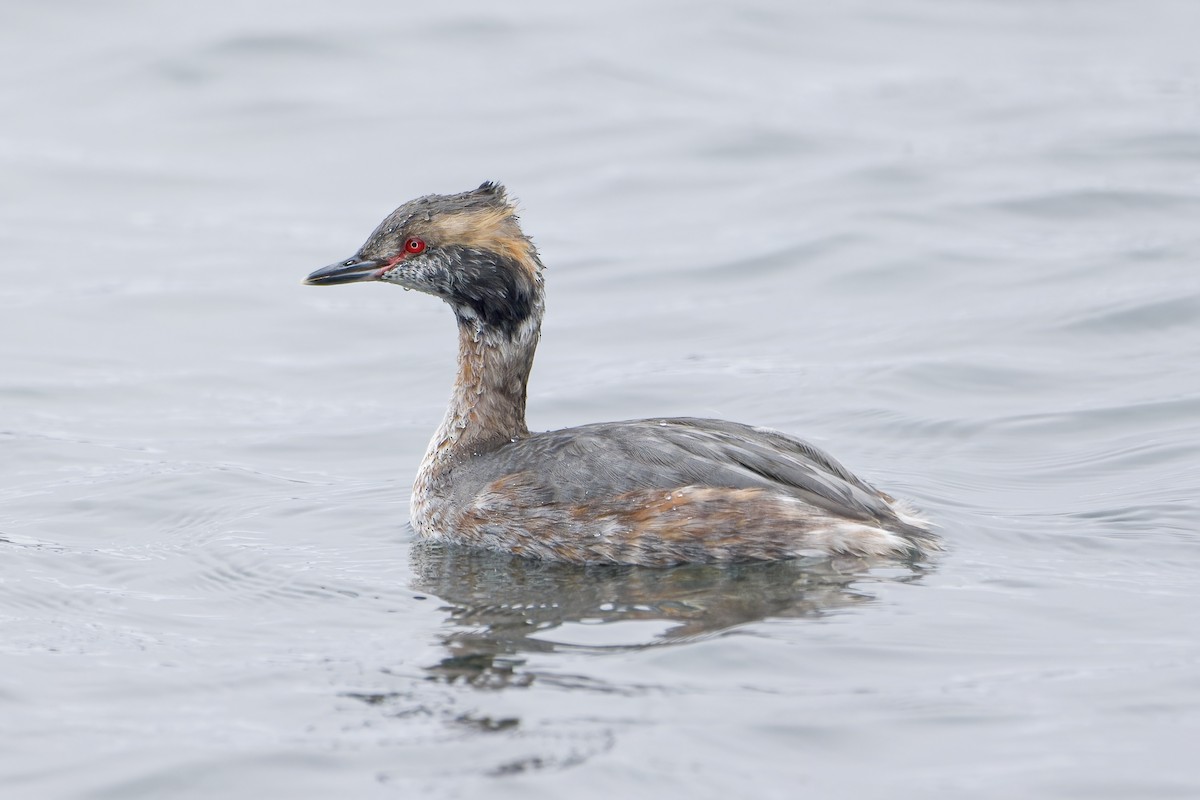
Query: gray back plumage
x=576, y=465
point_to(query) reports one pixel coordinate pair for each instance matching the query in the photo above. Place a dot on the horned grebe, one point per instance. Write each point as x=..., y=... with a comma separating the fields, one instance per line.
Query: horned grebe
x=653, y=492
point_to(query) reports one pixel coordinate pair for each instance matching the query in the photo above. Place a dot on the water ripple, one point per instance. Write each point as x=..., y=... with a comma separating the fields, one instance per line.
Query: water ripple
x=1157, y=315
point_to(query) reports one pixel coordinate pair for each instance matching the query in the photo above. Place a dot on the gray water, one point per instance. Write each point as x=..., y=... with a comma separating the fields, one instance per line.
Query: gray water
x=954, y=243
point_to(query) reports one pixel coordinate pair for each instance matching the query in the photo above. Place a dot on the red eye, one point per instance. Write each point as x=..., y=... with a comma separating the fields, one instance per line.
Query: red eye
x=414, y=246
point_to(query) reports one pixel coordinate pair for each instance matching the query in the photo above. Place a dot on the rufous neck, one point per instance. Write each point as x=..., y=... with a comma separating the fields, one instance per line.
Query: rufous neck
x=487, y=406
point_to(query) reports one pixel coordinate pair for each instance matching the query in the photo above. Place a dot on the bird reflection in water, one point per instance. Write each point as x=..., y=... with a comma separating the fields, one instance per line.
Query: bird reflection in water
x=504, y=608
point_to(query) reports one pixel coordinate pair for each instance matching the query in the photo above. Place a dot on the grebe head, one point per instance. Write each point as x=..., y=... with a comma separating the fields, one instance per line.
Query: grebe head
x=464, y=248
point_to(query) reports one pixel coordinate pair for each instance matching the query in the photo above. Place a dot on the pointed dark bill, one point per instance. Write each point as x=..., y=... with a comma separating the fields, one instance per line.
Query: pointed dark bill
x=349, y=271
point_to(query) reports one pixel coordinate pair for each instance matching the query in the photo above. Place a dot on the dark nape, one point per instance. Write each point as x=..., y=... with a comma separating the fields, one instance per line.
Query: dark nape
x=497, y=289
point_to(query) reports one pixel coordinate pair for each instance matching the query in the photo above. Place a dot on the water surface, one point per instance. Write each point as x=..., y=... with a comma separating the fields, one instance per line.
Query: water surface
x=955, y=244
